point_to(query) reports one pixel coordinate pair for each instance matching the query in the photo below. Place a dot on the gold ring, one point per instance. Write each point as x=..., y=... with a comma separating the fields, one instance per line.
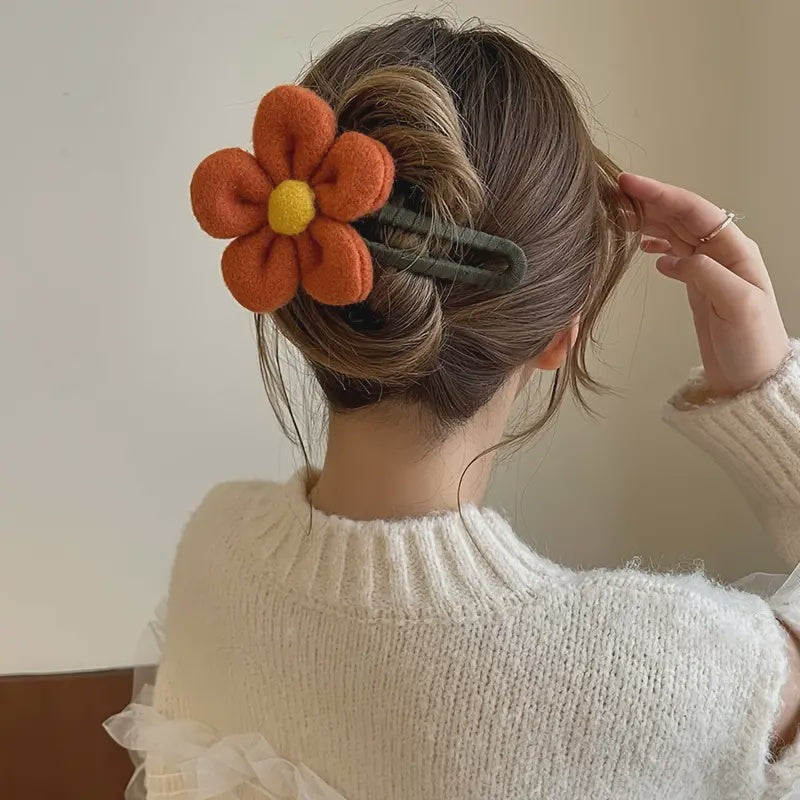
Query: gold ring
x=729, y=217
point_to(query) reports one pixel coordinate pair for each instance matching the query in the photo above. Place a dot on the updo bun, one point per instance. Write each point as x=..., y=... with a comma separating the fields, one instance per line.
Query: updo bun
x=485, y=134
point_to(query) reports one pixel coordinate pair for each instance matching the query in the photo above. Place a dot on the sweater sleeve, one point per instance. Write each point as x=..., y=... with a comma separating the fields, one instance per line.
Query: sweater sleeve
x=755, y=437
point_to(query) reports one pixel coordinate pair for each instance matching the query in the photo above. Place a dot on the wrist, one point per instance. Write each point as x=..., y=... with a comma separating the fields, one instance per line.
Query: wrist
x=706, y=388
x=750, y=376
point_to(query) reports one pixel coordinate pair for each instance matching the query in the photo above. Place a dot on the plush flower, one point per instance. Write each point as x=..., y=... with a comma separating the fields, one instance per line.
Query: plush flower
x=288, y=207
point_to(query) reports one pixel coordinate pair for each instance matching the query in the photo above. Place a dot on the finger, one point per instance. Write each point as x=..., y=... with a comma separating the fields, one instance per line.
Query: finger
x=671, y=229
x=698, y=215
x=657, y=246
x=728, y=294
x=631, y=219
x=694, y=217
x=685, y=234
x=659, y=230
x=649, y=224
x=665, y=233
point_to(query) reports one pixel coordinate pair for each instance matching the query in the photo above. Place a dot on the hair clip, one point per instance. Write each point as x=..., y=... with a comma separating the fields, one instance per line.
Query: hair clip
x=468, y=239
x=288, y=206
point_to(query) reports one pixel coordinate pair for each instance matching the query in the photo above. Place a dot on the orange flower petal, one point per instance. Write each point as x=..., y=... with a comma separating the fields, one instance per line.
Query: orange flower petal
x=335, y=264
x=355, y=178
x=365, y=267
x=261, y=270
x=293, y=130
x=229, y=194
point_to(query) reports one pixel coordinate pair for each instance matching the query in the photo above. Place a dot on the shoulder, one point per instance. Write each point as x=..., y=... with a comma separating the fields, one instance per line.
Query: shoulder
x=691, y=591
x=674, y=615
x=704, y=661
x=668, y=642
x=224, y=504
x=667, y=666
x=231, y=496
x=210, y=553
x=224, y=516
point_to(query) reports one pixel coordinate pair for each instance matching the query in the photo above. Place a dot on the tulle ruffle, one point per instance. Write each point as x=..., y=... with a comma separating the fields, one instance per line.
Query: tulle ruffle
x=192, y=762
x=777, y=589
x=206, y=767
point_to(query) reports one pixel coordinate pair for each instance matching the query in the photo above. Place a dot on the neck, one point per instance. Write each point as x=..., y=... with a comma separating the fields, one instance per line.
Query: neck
x=378, y=464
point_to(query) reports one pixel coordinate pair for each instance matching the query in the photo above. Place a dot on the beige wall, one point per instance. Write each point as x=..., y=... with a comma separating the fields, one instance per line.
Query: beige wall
x=130, y=384
x=705, y=95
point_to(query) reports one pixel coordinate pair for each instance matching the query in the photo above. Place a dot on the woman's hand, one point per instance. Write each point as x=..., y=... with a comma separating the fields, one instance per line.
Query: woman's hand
x=739, y=328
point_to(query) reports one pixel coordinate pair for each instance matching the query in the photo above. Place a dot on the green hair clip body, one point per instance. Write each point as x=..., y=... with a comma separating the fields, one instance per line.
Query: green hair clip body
x=469, y=239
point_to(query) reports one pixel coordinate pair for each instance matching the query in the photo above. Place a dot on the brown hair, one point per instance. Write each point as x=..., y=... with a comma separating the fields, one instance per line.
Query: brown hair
x=484, y=133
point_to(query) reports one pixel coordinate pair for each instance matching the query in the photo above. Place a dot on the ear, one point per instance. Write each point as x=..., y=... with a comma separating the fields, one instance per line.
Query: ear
x=555, y=354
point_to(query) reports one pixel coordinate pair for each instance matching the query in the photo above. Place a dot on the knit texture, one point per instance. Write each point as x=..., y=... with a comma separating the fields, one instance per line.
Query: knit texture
x=435, y=659
x=755, y=437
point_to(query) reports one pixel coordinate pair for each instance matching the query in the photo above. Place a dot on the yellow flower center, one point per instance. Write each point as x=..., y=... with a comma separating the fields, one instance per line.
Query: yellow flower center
x=291, y=207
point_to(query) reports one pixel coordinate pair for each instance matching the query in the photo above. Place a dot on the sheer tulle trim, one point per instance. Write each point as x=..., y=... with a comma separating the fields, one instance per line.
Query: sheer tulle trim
x=202, y=766
x=186, y=760
x=778, y=589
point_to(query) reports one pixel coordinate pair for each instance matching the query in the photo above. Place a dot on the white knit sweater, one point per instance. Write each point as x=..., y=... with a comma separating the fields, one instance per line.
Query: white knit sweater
x=424, y=659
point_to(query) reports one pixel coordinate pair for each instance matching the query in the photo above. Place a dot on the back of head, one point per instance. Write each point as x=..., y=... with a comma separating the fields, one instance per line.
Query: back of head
x=483, y=133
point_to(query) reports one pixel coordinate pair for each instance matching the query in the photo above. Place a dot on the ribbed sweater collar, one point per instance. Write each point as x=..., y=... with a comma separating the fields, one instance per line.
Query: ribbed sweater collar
x=445, y=564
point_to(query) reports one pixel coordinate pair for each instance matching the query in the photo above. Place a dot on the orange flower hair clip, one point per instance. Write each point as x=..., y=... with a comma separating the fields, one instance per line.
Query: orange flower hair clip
x=288, y=207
